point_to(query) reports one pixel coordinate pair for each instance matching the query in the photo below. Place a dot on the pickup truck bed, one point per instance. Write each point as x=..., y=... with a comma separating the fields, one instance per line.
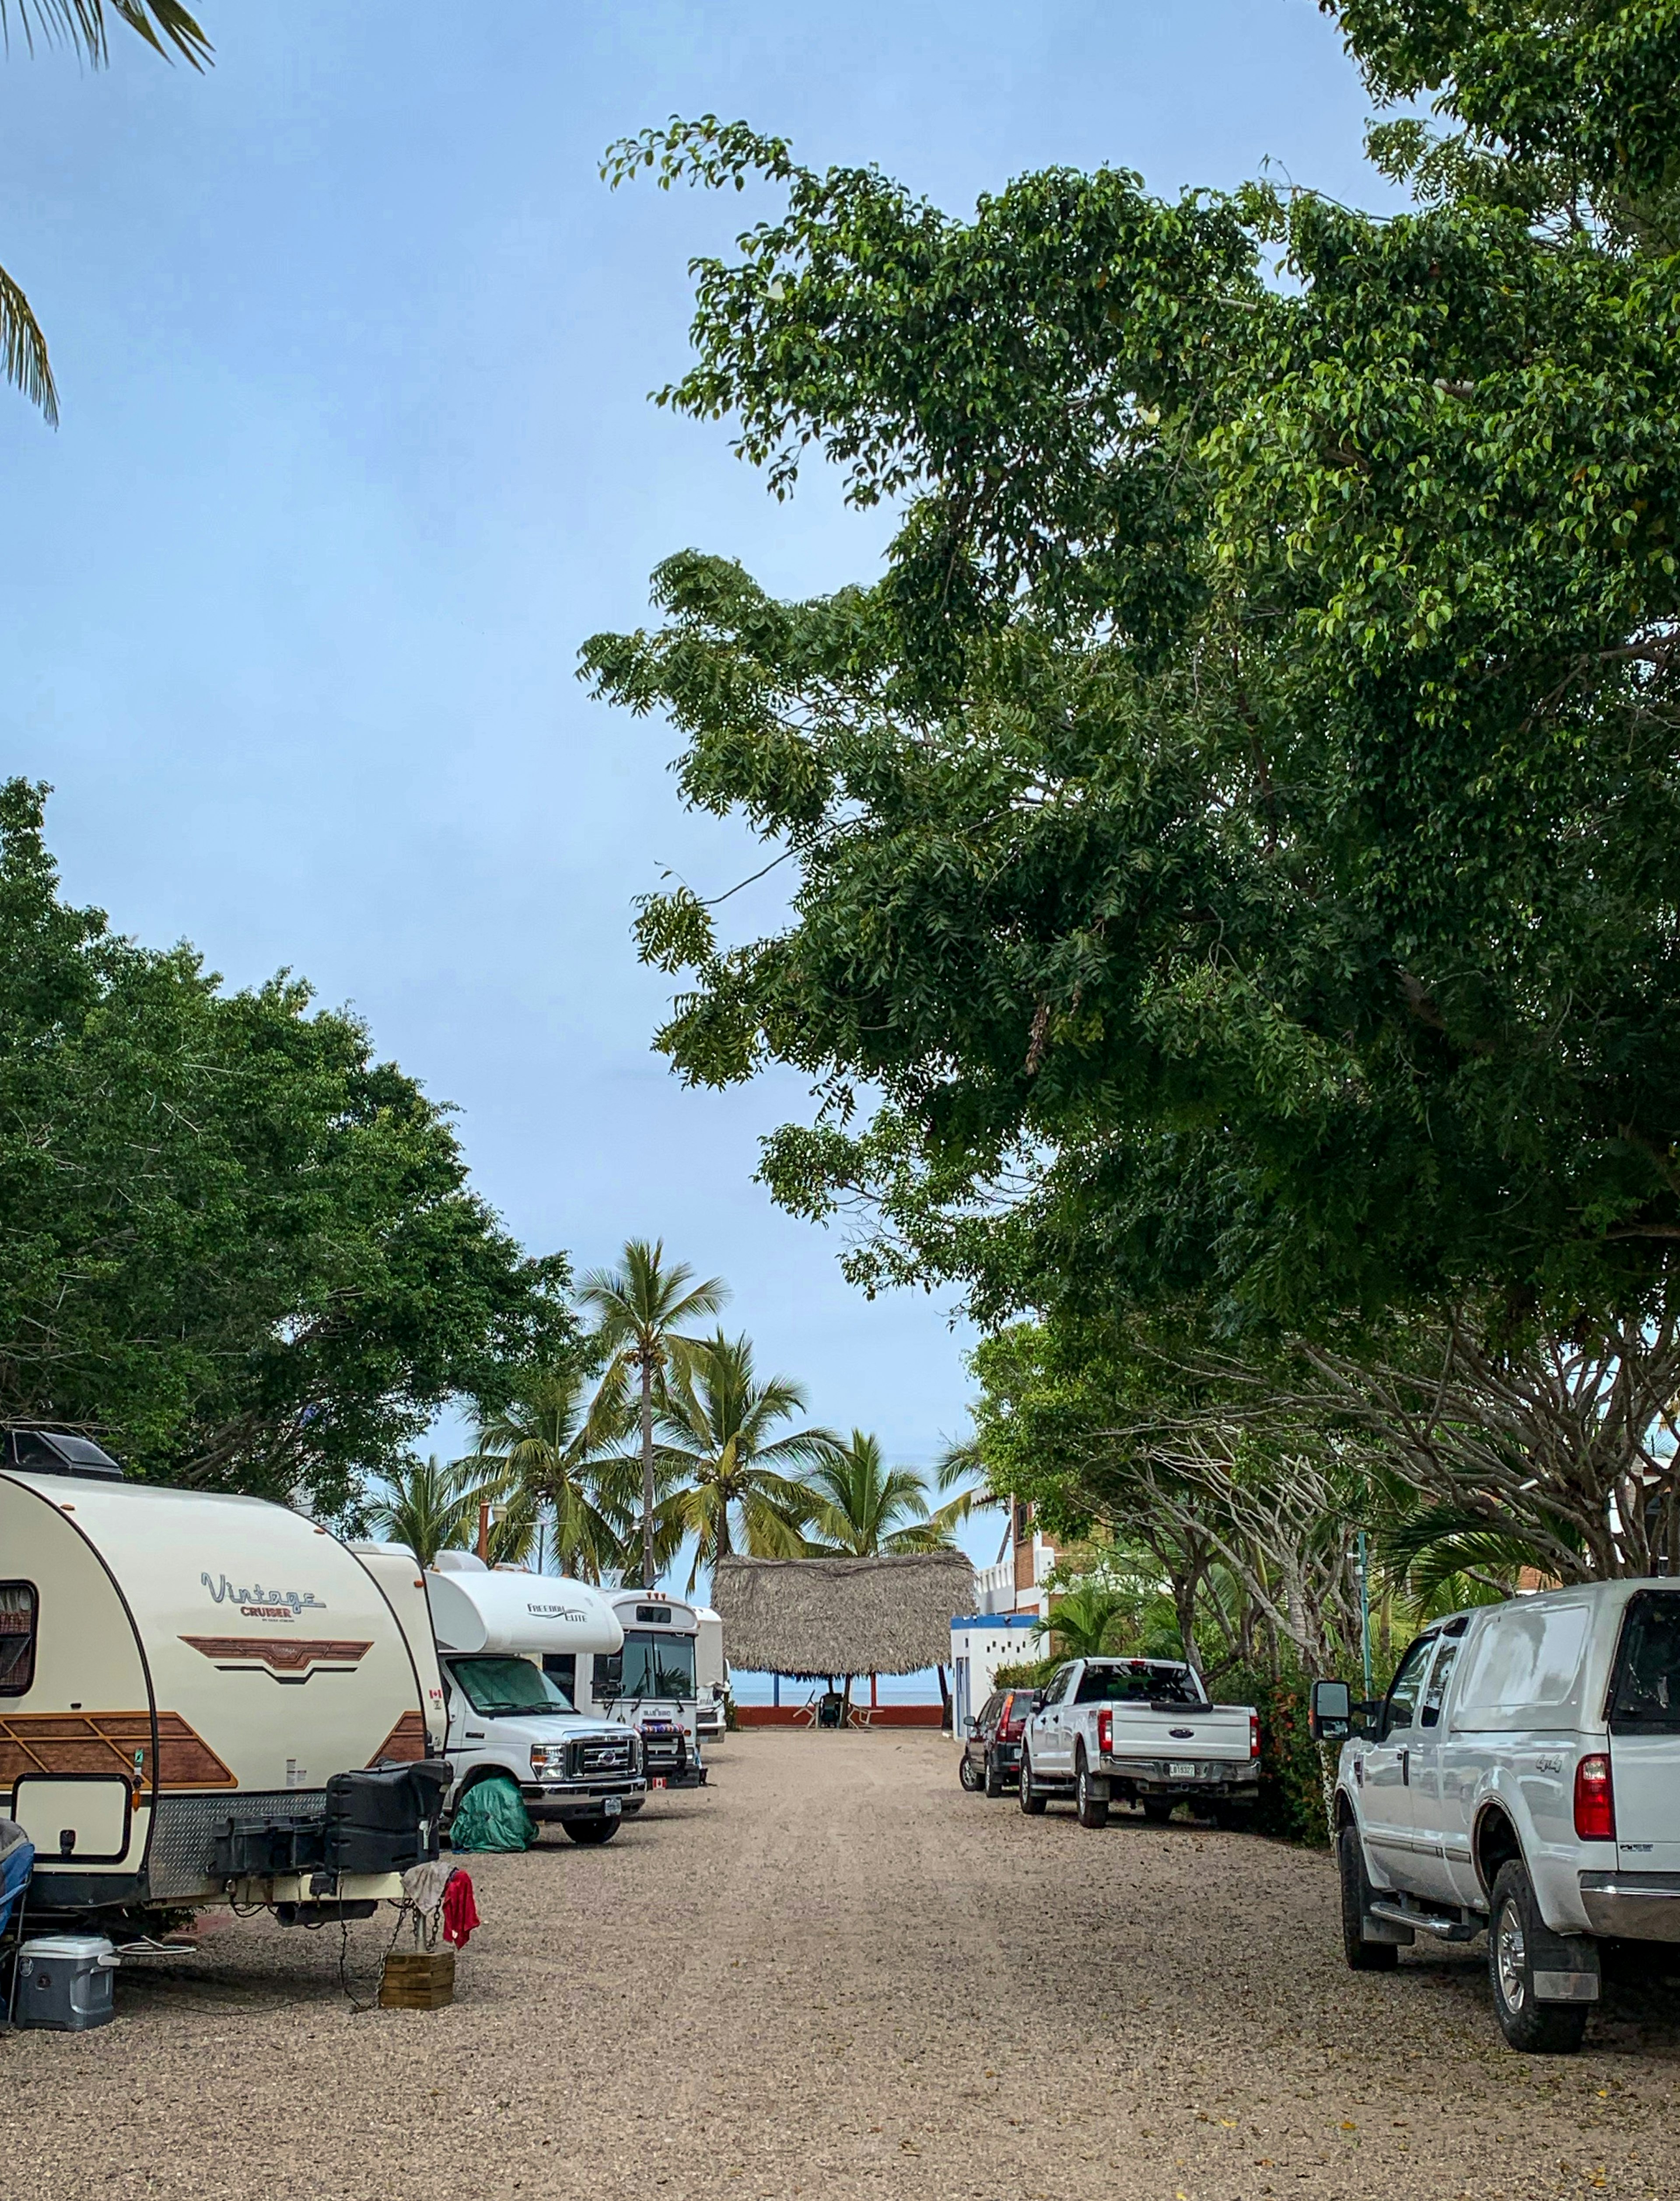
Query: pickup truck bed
x=1139, y=1730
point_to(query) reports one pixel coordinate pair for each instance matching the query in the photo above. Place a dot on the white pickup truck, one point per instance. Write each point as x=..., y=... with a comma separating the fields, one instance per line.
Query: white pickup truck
x=1521, y=1778
x=1139, y=1730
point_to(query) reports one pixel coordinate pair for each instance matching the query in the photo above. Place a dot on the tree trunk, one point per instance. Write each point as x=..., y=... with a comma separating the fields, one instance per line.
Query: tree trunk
x=647, y=1575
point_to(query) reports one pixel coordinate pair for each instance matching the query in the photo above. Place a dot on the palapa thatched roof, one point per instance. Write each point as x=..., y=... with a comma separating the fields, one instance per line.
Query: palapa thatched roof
x=890, y=1615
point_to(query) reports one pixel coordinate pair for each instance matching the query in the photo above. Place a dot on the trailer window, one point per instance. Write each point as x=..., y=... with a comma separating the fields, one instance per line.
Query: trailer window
x=18, y=1608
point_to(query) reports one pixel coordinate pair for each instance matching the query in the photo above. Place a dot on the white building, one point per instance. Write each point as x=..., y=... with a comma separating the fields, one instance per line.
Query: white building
x=982, y=1642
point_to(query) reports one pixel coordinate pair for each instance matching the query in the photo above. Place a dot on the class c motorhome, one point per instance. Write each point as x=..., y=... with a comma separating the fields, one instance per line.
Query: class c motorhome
x=202, y=1698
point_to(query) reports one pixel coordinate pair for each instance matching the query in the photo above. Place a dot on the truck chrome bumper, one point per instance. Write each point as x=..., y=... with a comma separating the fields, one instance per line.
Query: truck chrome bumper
x=571, y=1801
x=1637, y=1906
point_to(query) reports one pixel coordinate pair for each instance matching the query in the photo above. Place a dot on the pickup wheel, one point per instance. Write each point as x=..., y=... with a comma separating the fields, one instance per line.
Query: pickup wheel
x=1032, y=1800
x=592, y=1830
x=968, y=1775
x=1537, y=2028
x=1362, y=1955
x=1090, y=1809
x=994, y=1775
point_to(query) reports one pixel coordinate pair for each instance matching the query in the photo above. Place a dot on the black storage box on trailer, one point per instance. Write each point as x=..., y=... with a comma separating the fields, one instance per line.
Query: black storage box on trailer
x=256, y=1848
x=386, y=1819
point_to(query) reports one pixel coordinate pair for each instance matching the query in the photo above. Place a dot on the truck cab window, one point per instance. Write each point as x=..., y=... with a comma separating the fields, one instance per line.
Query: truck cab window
x=1440, y=1674
x=18, y=1609
x=1407, y=1683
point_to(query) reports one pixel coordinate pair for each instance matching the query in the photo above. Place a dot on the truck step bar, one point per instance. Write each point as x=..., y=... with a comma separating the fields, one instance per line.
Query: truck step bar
x=1429, y=1922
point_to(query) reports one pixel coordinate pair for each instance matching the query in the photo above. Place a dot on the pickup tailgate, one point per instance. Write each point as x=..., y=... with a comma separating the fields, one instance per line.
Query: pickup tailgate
x=1212, y=1735
x=1645, y=1734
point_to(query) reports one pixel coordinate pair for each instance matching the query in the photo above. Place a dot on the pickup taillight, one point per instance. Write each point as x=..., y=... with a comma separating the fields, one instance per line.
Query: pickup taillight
x=1105, y=1732
x=1595, y=1800
x=1253, y=1736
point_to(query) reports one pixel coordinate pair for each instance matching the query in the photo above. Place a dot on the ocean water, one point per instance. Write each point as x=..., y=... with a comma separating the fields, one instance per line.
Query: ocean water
x=922, y=1688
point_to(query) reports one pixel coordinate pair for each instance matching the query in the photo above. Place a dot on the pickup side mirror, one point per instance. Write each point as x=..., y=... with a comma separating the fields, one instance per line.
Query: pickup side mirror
x=1330, y=1711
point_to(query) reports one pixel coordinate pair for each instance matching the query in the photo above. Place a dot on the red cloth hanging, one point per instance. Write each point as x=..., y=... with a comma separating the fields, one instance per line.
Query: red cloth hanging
x=460, y=1912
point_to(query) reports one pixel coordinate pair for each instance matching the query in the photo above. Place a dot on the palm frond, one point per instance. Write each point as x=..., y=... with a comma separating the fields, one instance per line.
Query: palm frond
x=81, y=26
x=24, y=350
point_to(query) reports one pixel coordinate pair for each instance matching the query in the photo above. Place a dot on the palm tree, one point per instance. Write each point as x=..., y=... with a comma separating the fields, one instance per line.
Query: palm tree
x=553, y=1446
x=860, y=1506
x=80, y=24
x=432, y=1506
x=640, y=1309
x=735, y=1493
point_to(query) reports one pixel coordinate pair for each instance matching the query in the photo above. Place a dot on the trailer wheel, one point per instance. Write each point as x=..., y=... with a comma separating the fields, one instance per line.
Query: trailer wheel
x=1536, y=2028
x=592, y=1830
x=1362, y=1955
x=1089, y=1808
x=1032, y=1801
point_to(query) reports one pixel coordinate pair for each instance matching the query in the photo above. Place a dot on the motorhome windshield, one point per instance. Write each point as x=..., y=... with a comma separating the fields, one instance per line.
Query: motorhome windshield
x=498, y=1686
x=657, y=1666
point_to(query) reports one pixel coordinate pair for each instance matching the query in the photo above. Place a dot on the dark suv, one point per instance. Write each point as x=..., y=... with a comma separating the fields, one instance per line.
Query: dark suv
x=991, y=1748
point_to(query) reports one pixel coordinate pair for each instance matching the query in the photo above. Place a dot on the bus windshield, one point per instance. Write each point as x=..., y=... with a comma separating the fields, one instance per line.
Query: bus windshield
x=657, y=1664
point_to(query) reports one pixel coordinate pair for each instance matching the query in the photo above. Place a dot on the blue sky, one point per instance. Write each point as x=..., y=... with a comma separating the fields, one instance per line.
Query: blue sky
x=352, y=347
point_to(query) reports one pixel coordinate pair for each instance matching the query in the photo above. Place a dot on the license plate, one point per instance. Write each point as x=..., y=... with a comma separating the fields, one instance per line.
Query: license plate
x=612, y=1805
x=1181, y=1768
x=658, y=1781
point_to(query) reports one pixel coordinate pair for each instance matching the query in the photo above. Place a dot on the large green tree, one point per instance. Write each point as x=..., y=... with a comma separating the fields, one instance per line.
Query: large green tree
x=232, y=1242
x=1234, y=843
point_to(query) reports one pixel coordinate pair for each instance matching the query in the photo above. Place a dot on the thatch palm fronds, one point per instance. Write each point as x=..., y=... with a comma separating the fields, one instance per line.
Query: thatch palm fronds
x=554, y=1446
x=822, y=1617
x=737, y=1487
x=860, y=1506
x=432, y=1508
x=80, y=24
x=642, y=1309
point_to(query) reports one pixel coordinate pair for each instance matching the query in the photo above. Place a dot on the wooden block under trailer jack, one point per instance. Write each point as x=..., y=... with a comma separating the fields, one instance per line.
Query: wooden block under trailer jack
x=418, y=1979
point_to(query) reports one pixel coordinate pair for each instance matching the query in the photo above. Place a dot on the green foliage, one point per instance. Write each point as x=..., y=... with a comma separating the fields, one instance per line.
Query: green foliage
x=730, y=1483
x=554, y=1448
x=231, y=1242
x=1291, y=1764
x=641, y=1309
x=429, y=1504
x=858, y=1505
x=1025, y=1674
x=1236, y=837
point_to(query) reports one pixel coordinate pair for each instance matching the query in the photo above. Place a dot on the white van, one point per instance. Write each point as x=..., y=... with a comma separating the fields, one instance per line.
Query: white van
x=650, y=1681
x=1521, y=1778
x=494, y=1630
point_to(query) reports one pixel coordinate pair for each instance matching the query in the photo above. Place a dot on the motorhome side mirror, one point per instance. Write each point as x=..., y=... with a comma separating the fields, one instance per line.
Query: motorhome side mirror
x=1330, y=1715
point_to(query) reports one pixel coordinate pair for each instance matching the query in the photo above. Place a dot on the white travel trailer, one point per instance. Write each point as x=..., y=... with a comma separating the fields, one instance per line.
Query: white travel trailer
x=650, y=1682
x=495, y=1631
x=202, y=1698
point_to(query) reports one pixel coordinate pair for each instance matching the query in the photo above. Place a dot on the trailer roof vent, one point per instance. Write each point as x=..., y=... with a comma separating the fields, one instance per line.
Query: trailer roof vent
x=57, y=1451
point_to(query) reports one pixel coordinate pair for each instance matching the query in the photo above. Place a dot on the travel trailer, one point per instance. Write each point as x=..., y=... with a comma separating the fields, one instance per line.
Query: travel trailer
x=496, y=1629
x=711, y=1673
x=202, y=1699
x=650, y=1682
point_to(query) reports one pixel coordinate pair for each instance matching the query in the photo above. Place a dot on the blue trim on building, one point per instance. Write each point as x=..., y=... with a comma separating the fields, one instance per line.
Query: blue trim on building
x=997, y=1620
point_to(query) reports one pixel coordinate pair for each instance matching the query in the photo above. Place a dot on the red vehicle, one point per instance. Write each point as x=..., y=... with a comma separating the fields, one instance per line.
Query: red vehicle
x=991, y=1748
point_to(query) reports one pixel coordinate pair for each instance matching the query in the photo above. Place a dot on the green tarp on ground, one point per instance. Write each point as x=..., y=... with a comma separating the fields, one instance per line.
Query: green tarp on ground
x=491, y=1816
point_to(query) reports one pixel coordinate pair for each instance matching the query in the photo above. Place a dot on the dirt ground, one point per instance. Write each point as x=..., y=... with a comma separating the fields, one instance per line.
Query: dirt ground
x=833, y=1974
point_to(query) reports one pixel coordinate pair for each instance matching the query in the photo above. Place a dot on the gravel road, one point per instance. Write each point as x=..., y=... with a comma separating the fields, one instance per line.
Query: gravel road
x=832, y=1974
